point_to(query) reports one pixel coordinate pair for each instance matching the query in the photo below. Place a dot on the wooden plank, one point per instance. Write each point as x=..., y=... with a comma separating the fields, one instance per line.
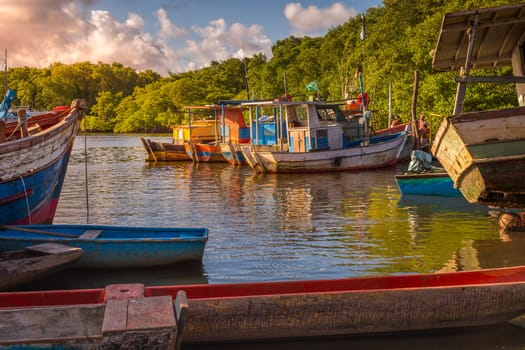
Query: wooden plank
x=181, y=314
x=115, y=316
x=90, y=234
x=150, y=313
x=50, y=248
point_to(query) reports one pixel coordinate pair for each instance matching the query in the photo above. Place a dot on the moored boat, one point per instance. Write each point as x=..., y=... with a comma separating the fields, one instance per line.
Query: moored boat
x=484, y=151
x=315, y=136
x=34, y=154
x=107, y=246
x=319, y=308
x=424, y=178
x=35, y=262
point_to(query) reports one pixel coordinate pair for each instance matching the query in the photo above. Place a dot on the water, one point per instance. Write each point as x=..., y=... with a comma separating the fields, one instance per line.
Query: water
x=281, y=227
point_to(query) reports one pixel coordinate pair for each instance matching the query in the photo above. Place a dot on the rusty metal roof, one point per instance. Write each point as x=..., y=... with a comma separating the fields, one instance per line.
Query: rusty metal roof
x=500, y=30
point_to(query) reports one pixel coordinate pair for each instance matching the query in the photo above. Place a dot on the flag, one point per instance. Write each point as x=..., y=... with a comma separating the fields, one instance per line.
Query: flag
x=362, y=35
x=312, y=86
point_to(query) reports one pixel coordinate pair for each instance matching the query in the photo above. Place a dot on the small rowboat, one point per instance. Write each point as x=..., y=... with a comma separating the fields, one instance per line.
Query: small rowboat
x=113, y=246
x=316, y=308
x=35, y=262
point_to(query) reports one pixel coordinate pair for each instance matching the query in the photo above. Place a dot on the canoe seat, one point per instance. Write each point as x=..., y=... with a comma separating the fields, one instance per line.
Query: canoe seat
x=90, y=234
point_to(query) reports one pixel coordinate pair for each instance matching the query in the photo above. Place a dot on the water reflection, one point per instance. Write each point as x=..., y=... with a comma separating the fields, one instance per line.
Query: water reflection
x=276, y=227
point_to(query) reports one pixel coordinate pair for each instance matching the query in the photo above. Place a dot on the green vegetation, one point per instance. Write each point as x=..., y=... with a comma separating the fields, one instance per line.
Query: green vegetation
x=399, y=38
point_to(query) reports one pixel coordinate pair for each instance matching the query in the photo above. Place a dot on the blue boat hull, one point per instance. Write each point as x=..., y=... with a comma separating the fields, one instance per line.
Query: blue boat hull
x=116, y=246
x=428, y=184
x=34, y=198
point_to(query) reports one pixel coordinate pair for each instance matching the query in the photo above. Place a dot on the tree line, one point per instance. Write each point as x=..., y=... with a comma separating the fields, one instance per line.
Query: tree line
x=386, y=44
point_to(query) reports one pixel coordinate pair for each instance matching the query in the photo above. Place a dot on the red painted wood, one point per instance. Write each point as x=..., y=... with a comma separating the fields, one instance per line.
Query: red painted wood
x=228, y=290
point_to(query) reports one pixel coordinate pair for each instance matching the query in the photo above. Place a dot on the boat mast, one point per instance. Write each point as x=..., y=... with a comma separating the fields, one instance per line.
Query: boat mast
x=462, y=85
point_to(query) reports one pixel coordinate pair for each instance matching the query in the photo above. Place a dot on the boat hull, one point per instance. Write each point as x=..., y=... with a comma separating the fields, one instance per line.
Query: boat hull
x=205, y=153
x=164, y=152
x=382, y=151
x=116, y=246
x=36, y=262
x=427, y=184
x=483, y=152
x=317, y=308
x=32, y=172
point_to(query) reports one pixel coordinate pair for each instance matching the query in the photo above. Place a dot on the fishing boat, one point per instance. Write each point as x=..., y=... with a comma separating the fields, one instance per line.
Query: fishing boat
x=424, y=178
x=484, y=151
x=262, y=311
x=231, y=131
x=315, y=136
x=34, y=154
x=35, y=262
x=212, y=134
x=106, y=246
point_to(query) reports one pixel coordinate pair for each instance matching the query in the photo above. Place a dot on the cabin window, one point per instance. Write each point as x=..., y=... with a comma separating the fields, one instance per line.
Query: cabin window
x=297, y=116
x=327, y=115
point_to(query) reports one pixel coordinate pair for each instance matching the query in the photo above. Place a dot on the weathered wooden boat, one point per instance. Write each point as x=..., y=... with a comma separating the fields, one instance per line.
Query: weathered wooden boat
x=484, y=152
x=117, y=317
x=212, y=135
x=35, y=262
x=164, y=151
x=424, y=178
x=34, y=154
x=107, y=246
x=319, y=138
x=319, y=308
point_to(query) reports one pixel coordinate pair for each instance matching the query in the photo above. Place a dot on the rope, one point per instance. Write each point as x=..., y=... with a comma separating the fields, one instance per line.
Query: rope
x=86, y=177
x=27, y=199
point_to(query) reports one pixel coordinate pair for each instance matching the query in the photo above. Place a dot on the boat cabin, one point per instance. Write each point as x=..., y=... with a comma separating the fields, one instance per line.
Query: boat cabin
x=212, y=123
x=307, y=126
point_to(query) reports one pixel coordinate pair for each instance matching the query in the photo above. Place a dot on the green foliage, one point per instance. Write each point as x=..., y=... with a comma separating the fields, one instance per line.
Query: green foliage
x=400, y=36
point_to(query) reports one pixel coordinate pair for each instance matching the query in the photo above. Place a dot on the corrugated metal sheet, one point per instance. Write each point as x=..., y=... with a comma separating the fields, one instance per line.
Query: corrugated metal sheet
x=500, y=30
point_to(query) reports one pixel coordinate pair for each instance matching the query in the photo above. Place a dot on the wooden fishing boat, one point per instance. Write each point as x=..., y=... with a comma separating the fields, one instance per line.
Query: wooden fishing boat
x=320, y=138
x=113, y=246
x=164, y=151
x=484, y=152
x=35, y=262
x=318, y=308
x=34, y=154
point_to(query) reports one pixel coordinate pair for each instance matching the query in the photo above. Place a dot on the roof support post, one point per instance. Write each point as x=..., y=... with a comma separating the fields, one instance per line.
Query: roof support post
x=462, y=86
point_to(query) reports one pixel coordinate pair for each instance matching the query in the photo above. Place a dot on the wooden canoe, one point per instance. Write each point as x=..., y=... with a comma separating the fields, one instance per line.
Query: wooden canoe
x=35, y=262
x=33, y=167
x=317, y=308
x=107, y=246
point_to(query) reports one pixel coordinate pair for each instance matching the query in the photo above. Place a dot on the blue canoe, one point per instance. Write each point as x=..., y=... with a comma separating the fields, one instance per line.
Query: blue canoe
x=113, y=246
x=428, y=184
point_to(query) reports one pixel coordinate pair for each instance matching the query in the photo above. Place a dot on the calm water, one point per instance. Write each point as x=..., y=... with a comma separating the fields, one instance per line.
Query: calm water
x=280, y=227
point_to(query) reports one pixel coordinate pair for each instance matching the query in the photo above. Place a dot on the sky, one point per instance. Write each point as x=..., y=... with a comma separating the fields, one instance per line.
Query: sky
x=160, y=35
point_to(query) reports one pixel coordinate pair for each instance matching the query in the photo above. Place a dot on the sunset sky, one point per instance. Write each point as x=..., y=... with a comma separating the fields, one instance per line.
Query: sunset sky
x=161, y=35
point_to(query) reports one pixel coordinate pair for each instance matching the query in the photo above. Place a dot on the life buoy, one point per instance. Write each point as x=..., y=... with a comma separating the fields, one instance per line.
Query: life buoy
x=360, y=99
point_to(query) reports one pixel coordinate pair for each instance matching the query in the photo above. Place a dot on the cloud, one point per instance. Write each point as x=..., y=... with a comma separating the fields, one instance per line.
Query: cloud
x=38, y=33
x=312, y=20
